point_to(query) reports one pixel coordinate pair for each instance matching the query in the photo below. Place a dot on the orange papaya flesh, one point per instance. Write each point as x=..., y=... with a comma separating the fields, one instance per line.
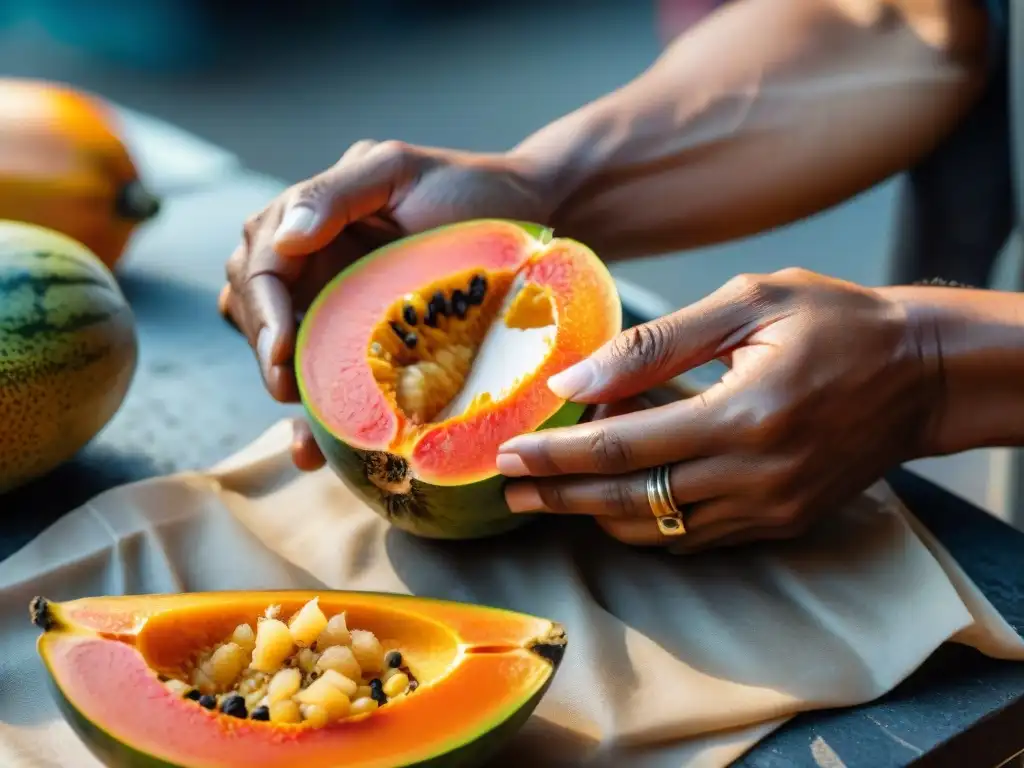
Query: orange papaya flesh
x=481, y=672
x=419, y=361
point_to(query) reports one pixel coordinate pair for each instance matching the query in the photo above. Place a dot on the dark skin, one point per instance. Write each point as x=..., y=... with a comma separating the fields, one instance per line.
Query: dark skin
x=830, y=384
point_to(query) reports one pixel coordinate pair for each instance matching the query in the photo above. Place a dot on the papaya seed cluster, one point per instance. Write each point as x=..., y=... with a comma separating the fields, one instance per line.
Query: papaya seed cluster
x=310, y=669
x=422, y=351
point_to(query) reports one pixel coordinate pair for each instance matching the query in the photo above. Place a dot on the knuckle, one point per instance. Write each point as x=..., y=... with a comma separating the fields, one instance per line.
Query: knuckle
x=745, y=283
x=610, y=452
x=762, y=423
x=358, y=147
x=619, y=496
x=313, y=191
x=647, y=344
x=757, y=290
x=392, y=153
x=252, y=224
x=793, y=273
x=555, y=497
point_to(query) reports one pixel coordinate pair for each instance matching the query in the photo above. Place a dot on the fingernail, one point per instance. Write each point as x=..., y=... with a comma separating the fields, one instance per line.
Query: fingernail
x=264, y=350
x=298, y=220
x=573, y=381
x=511, y=465
x=523, y=497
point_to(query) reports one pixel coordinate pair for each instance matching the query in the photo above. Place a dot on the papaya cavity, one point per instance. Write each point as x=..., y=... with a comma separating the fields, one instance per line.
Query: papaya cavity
x=460, y=344
x=419, y=361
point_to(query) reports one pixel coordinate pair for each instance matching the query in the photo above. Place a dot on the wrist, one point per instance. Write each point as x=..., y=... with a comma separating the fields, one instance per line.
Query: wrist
x=970, y=347
x=563, y=156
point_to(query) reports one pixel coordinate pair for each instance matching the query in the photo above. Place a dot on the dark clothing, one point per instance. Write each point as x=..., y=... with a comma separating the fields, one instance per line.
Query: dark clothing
x=957, y=208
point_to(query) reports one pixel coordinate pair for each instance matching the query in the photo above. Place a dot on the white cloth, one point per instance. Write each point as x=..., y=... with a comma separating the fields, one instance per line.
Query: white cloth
x=672, y=660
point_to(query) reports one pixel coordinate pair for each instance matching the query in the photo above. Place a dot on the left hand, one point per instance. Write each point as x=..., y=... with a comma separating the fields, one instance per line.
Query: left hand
x=829, y=386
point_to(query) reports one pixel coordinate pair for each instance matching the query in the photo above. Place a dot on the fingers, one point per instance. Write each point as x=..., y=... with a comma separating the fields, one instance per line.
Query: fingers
x=268, y=305
x=306, y=453
x=362, y=183
x=615, y=445
x=259, y=301
x=625, y=496
x=229, y=307
x=264, y=269
x=651, y=353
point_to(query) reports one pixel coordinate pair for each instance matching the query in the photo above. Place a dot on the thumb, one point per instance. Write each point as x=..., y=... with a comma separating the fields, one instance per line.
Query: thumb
x=360, y=184
x=650, y=354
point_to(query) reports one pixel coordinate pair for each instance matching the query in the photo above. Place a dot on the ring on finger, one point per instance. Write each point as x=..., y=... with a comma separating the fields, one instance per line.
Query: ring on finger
x=659, y=495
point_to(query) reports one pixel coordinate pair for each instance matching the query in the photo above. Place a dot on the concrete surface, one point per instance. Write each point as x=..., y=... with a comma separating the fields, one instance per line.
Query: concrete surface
x=288, y=105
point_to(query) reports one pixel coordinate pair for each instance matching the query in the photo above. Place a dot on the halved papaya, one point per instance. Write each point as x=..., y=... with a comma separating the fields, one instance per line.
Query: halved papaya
x=417, y=362
x=125, y=669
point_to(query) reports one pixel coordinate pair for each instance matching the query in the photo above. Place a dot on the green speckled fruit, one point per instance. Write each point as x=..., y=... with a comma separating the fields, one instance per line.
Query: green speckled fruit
x=68, y=350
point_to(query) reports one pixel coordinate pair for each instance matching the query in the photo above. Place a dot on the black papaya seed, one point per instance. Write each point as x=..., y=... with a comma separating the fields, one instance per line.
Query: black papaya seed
x=234, y=705
x=379, y=696
x=393, y=659
x=193, y=694
x=430, y=316
x=398, y=329
x=207, y=701
x=441, y=304
x=260, y=713
x=477, y=289
x=409, y=314
x=410, y=340
x=460, y=304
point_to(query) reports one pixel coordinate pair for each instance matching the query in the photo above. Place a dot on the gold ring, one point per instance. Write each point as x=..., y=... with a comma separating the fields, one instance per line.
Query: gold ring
x=659, y=496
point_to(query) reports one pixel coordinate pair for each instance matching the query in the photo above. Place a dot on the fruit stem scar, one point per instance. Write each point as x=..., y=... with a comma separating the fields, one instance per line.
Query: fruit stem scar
x=390, y=473
x=551, y=645
x=41, y=614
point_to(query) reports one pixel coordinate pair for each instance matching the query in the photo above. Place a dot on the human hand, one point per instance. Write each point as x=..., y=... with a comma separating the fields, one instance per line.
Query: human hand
x=829, y=385
x=376, y=193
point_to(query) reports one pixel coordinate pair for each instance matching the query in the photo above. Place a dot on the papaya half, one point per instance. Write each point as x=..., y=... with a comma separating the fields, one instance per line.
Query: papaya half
x=291, y=678
x=418, y=361
x=65, y=166
x=68, y=349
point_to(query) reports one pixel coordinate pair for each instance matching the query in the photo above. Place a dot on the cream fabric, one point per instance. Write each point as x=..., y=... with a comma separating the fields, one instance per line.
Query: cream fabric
x=672, y=660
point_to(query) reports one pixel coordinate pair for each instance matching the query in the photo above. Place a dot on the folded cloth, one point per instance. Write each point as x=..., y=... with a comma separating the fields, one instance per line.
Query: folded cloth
x=672, y=660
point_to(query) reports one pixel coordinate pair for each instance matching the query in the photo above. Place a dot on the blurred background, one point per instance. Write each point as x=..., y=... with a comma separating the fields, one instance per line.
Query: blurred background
x=286, y=86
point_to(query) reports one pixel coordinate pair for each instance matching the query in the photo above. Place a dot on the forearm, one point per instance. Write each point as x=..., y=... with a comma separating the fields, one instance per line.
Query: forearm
x=767, y=111
x=972, y=345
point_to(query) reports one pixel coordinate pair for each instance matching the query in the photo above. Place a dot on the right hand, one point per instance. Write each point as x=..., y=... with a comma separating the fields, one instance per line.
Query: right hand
x=377, y=192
